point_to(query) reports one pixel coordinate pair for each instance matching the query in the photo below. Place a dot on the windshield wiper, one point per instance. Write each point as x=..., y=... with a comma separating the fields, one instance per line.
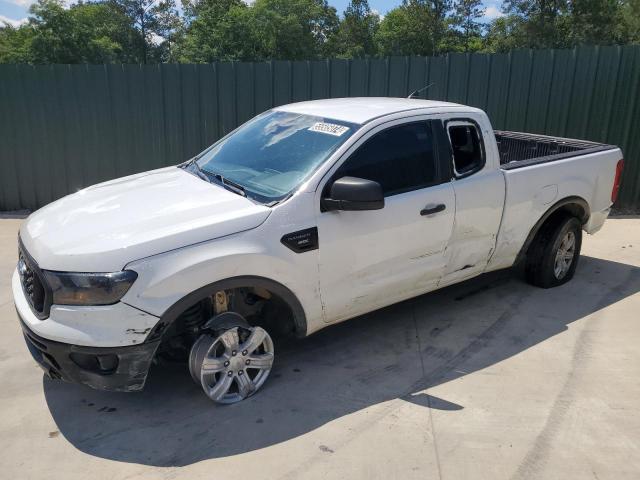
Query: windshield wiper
x=206, y=175
x=228, y=184
x=233, y=186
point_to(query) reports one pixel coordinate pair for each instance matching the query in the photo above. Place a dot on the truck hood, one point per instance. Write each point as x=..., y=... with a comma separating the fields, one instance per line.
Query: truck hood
x=106, y=226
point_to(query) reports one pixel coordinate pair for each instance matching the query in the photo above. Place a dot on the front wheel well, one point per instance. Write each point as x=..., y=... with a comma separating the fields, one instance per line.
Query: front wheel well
x=262, y=302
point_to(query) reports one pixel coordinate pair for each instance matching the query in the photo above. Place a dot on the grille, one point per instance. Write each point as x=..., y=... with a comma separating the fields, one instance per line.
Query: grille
x=32, y=284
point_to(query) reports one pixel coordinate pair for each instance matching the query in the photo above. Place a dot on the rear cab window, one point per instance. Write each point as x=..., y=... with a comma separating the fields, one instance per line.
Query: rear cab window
x=467, y=149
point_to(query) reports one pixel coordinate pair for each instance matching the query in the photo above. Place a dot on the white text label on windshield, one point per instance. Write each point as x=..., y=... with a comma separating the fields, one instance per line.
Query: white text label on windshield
x=329, y=128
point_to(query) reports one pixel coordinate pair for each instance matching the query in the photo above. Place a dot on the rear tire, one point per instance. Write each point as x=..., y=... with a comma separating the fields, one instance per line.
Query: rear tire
x=553, y=257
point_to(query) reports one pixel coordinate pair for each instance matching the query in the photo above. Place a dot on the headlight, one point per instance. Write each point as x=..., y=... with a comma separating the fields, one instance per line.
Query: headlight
x=89, y=288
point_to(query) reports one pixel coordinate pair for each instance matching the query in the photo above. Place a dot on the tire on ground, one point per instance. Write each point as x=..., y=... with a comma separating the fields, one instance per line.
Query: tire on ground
x=539, y=268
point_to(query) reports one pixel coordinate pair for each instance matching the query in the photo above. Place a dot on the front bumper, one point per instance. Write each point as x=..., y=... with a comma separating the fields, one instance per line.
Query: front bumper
x=122, y=369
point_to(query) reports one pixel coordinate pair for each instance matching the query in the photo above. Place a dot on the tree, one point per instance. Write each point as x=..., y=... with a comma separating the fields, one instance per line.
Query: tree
x=439, y=11
x=15, y=44
x=543, y=23
x=597, y=22
x=139, y=31
x=355, y=37
x=504, y=34
x=630, y=13
x=417, y=27
x=268, y=29
x=155, y=20
x=466, y=19
x=217, y=30
x=395, y=35
x=566, y=23
x=204, y=32
x=83, y=33
x=295, y=29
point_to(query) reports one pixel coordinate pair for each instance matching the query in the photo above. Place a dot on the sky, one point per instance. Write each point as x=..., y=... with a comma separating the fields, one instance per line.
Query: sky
x=16, y=11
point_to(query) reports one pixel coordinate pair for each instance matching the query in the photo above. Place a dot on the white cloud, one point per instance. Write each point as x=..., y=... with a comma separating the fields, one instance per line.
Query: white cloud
x=376, y=12
x=10, y=21
x=492, y=12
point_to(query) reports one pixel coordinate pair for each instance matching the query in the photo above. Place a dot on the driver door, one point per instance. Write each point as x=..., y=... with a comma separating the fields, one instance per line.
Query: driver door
x=369, y=259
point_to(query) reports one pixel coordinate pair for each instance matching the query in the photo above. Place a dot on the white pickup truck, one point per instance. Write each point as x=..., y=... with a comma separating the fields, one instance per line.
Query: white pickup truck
x=305, y=216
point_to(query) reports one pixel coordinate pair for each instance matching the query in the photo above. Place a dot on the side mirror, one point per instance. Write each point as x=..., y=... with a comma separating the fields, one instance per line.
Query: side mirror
x=351, y=193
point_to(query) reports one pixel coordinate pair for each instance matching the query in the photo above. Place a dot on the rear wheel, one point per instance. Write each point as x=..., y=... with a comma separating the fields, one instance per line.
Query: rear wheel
x=553, y=257
x=232, y=364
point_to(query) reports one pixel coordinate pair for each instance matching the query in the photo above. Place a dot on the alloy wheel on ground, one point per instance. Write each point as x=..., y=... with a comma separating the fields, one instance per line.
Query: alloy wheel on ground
x=233, y=365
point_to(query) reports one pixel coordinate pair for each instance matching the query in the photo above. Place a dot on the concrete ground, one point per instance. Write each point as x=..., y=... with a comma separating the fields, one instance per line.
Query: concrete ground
x=490, y=379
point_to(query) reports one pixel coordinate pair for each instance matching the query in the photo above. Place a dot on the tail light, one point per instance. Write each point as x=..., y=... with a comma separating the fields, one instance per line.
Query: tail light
x=616, y=181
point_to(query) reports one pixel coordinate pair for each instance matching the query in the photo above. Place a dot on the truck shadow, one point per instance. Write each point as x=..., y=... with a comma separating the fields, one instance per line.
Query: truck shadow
x=395, y=353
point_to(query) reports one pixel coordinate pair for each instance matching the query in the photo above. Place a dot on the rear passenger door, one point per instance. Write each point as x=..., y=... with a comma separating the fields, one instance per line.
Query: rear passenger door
x=479, y=189
x=369, y=259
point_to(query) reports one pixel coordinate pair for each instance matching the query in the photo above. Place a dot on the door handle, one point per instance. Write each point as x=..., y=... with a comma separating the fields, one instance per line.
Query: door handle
x=431, y=210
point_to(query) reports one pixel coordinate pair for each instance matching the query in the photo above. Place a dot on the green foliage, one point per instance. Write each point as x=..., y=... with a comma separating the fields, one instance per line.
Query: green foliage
x=15, y=44
x=406, y=30
x=269, y=29
x=596, y=22
x=84, y=33
x=393, y=33
x=295, y=29
x=113, y=31
x=466, y=20
x=543, y=22
x=630, y=12
x=419, y=27
x=155, y=21
x=564, y=24
x=215, y=29
x=355, y=37
x=505, y=34
x=140, y=31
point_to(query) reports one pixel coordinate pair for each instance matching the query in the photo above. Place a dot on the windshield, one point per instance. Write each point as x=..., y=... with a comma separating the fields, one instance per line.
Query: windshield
x=275, y=152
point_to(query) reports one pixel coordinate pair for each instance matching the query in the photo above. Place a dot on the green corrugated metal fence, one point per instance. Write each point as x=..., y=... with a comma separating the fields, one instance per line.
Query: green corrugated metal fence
x=63, y=127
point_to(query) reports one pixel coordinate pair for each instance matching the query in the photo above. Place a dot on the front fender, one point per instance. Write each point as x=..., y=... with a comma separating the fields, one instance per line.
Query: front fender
x=174, y=311
x=169, y=281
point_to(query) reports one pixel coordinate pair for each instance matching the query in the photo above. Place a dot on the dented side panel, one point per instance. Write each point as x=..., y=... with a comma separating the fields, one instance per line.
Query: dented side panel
x=479, y=205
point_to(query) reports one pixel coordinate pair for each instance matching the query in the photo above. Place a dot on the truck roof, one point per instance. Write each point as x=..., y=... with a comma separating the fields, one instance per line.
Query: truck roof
x=361, y=109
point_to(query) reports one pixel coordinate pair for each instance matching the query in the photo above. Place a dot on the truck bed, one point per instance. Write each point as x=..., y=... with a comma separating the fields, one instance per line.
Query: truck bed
x=583, y=170
x=519, y=149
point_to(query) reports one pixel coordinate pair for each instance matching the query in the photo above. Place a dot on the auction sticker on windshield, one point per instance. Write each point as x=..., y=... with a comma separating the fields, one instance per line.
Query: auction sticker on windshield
x=330, y=128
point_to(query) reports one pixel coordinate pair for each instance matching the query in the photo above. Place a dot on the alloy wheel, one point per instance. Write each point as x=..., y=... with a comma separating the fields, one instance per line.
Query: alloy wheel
x=233, y=365
x=564, y=255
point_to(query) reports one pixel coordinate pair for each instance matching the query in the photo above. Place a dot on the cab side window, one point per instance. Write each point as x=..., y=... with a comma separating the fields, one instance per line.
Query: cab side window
x=400, y=159
x=467, y=149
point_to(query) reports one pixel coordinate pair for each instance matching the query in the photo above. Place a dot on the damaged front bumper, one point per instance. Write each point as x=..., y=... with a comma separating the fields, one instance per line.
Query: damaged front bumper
x=104, y=347
x=121, y=369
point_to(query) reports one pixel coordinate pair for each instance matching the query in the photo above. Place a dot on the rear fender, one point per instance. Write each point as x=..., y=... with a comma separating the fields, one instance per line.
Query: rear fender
x=573, y=206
